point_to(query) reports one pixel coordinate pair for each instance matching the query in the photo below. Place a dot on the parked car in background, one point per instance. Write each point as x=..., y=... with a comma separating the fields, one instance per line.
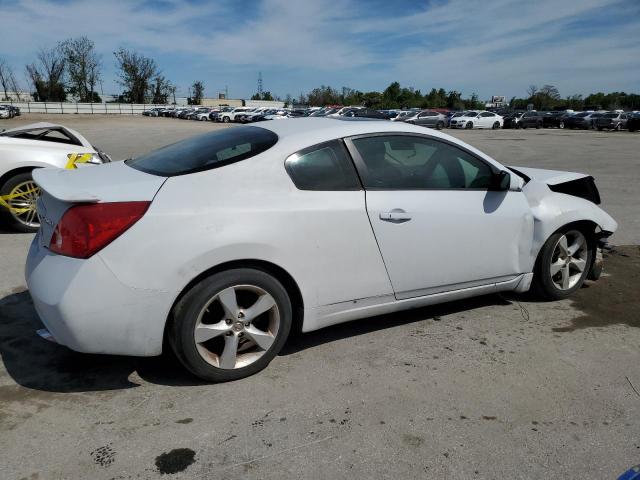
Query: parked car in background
x=9, y=111
x=477, y=119
x=428, y=118
x=633, y=122
x=153, y=112
x=612, y=121
x=403, y=115
x=230, y=116
x=580, y=120
x=554, y=119
x=216, y=115
x=366, y=113
x=529, y=119
x=32, y=147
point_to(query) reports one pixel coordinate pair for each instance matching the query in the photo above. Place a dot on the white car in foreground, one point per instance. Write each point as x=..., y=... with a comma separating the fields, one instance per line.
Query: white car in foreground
x=477, y=119
x=26, y=148
x=224, y=242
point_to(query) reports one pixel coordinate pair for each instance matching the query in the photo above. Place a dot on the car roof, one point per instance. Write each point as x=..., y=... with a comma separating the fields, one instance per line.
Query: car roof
x=298, y=133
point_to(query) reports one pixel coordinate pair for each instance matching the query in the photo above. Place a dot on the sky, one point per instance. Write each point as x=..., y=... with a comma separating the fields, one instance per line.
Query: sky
x=489, y=47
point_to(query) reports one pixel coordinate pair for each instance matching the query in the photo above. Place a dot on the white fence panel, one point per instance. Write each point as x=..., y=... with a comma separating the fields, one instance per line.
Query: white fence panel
x=84, y=108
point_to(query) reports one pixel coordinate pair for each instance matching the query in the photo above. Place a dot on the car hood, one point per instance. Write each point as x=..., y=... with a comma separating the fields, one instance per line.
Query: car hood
x=550, y=177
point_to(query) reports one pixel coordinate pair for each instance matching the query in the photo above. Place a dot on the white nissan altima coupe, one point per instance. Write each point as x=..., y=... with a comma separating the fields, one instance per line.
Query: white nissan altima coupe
x=224, y=242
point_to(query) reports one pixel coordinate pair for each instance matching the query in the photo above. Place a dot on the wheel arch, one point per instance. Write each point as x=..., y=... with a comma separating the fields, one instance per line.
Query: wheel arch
x=284, y=277
x=17, y=171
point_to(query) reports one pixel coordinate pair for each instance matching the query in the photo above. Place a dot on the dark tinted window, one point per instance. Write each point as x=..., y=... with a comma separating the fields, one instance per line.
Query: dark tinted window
x=486, y=114
x=323, y=167
x=204, y=152
x=411, y=163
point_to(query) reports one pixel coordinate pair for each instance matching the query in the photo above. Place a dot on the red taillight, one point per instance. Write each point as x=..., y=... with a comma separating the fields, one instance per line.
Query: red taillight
x=86, y=229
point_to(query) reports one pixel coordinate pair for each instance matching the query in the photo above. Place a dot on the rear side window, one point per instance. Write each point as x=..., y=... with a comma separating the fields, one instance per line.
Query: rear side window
x=326, y=166
x=205, y=152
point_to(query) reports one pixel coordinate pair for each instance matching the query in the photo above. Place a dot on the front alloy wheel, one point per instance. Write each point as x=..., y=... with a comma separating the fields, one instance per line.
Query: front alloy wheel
x=231, y=325
x=563, y=264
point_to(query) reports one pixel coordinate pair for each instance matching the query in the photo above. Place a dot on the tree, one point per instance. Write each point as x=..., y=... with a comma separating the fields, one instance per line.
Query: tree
x=198, y=93
x=136, y=72
x=532, y=90
x=83, y=68
x=47, y=75
x=7, y=80
x=162, y=90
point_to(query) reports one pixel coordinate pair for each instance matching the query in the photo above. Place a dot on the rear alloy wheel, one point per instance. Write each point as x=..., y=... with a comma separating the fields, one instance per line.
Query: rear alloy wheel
x=563, y=264
x=231, y=325
x=20, y=192
x=496, y=126
x=561, y=125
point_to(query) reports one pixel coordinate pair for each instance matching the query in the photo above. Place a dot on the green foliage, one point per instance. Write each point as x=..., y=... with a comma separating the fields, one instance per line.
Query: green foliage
x=135, y=74
x=548, y=98
x=197, y=93
x=82, y=67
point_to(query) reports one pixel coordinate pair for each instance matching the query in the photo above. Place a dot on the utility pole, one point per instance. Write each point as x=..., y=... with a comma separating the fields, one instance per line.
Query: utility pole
x=260, y=84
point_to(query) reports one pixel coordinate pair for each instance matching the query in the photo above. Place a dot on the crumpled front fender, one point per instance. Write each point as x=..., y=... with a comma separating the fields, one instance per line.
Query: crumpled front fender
x=552, y=211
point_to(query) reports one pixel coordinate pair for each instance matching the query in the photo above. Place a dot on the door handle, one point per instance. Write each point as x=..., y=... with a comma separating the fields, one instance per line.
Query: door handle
x=397, y=215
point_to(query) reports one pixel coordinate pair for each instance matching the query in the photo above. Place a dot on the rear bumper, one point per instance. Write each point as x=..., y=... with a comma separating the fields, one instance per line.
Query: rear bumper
x=86, y=308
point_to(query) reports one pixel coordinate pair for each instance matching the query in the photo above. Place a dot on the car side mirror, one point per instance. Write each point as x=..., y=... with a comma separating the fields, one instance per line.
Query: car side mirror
x=500, y=181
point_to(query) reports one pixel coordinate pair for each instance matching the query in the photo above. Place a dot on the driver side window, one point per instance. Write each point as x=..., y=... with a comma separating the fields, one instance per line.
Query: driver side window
x=401, y=162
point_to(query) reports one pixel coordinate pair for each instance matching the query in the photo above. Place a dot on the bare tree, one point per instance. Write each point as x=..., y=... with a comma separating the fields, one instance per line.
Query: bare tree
x=83, y=67
x=5, y=78
x=136, y=72
x=47, y=74
x=532, y=90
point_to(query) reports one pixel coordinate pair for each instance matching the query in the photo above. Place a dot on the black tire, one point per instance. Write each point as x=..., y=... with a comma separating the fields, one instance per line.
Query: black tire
x=7, y=217
x=439, y=125
x=600, y=129
x=538, y=125
x=542, y=284
x=617, y=129
x=469, y=125
x=225, y=119
x=495, y=126
x=561, y=125
x=186, y=311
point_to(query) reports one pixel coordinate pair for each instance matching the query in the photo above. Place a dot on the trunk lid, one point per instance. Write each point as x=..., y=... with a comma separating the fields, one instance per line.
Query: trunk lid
x=111, y=182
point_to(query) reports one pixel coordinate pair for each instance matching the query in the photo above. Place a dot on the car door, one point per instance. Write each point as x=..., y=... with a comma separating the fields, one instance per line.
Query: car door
x=486, y=119
x=437, y=222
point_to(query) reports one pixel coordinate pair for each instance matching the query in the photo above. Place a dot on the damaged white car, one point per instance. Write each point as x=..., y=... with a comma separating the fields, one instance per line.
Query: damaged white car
x=35, y=146
x=224, y=242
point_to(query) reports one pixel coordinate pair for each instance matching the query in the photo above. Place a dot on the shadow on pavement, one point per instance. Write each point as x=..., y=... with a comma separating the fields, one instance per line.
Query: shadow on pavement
x=40, y=365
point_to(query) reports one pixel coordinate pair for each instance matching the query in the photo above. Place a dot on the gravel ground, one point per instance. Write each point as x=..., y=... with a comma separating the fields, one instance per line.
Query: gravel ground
x=500, y=386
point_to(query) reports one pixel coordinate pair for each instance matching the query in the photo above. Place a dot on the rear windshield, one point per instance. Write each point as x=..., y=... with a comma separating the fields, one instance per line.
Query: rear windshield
x=204, y=152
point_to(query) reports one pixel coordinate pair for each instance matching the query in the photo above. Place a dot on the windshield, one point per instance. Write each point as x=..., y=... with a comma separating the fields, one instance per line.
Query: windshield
x=610, y=115
x=471, y=114
x=204, y=152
